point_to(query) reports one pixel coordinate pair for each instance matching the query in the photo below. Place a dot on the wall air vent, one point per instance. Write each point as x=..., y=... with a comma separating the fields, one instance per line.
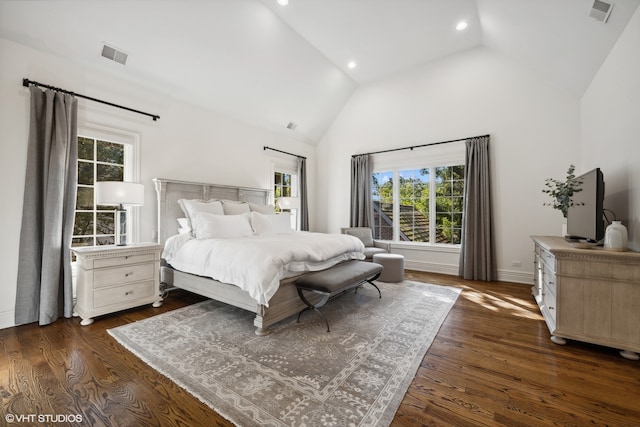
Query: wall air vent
x=292, y=126
x=114, y=54
x=601, y=10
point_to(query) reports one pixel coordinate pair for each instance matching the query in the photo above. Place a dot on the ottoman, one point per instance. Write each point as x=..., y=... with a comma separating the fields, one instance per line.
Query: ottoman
x=393, y=267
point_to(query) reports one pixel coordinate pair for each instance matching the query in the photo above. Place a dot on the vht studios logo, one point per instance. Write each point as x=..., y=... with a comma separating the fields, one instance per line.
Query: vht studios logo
x=43, y=418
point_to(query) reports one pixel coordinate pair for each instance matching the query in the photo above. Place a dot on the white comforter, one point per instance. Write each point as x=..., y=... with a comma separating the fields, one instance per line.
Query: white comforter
x=258, y=263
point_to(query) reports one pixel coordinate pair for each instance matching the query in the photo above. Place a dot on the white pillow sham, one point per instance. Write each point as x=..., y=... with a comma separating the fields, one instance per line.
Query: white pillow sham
x=192, y=206
x=271, y=224
x=235, y=208
x=263, y=209
x=211, y=226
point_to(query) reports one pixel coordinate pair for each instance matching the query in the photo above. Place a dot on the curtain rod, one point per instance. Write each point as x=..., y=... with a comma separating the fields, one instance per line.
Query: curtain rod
x=419, y=146
x=284, y=152
x=27, y=82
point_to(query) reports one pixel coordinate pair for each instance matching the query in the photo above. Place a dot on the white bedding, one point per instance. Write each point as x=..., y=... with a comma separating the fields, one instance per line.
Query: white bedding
x=257, y=263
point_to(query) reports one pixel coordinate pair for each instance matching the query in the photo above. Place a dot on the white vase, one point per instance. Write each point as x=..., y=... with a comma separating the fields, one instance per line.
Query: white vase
x=615, y=237
x=564, y=227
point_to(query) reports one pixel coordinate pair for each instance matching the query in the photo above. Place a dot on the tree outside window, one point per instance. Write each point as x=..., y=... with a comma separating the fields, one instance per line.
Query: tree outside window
x=98, y=160
x=282, y=186
x=405, y=211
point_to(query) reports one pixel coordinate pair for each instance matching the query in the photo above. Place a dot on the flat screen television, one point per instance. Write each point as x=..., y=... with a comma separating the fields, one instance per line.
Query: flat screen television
x=585, y=219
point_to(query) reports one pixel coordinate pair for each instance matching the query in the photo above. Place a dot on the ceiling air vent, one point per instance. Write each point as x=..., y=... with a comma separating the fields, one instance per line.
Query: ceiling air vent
x=114, y=54
x=601, y=10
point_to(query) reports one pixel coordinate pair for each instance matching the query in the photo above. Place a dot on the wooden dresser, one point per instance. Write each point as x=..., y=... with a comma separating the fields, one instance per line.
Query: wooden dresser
x=589, y=295
x=113, y=278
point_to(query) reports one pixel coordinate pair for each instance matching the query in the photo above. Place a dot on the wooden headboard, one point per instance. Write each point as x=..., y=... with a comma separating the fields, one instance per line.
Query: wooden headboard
x=170, y=191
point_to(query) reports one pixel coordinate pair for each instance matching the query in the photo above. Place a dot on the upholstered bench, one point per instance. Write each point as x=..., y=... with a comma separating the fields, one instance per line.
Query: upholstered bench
x=334, y=281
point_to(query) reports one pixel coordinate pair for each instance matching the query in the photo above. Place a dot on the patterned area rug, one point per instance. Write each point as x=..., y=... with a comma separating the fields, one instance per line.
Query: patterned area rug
x=299, y=375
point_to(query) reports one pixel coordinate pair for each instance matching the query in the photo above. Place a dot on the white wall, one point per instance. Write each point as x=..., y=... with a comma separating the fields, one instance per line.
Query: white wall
x=534, y=130
x=610, y=129
x=187, y=143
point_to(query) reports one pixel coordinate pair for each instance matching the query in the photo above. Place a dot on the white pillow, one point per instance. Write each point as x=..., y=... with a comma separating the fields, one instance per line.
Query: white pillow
x=192, y=206
x=210, y=226
x=263, y=209
x=235, y=208
x=183, y=222
x=271, y=224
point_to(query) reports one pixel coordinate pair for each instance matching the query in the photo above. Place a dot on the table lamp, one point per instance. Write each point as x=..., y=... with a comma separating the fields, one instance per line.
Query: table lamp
x=119, y=193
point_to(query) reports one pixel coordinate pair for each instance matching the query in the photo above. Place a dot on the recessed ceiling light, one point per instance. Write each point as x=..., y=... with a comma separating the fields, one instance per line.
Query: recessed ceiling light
x=461, y=25
x=283, y=2
x=351, y=65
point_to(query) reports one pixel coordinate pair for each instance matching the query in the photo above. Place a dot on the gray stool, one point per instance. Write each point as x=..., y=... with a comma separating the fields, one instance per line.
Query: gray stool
x=393, y=264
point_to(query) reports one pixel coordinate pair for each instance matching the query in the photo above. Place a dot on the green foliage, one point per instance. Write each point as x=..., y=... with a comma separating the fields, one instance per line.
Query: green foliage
x=414, y=189
x=97, y=161
x=562, y=191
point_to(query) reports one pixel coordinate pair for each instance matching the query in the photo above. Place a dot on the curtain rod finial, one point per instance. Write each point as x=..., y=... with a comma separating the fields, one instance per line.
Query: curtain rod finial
x=25, y=82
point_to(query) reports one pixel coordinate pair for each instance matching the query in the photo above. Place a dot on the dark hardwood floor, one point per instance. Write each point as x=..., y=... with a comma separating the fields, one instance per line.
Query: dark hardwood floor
x=491, y=364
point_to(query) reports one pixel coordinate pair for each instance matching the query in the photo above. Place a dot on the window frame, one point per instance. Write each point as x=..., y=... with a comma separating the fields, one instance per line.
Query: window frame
x=431, y=158
x=131, y=173
x=292, y=170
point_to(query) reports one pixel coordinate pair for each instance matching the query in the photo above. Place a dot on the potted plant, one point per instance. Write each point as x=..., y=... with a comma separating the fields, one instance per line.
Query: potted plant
x=562, y=191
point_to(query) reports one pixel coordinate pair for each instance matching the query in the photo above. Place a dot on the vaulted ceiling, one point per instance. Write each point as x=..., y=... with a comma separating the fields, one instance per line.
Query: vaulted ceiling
x=268, y=65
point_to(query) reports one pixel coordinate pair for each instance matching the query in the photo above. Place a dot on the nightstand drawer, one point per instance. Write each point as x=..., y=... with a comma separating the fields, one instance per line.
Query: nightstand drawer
x=122, y=260
x=123, y=295
x=122, y=275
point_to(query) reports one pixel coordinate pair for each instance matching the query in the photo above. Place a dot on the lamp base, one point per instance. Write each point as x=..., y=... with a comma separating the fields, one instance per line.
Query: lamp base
x=121, y=227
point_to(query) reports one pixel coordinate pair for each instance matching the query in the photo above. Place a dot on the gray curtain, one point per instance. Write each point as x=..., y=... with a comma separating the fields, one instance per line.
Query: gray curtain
x=361, y=197
x=44, y=289
x=477, y=254
x=304, y=205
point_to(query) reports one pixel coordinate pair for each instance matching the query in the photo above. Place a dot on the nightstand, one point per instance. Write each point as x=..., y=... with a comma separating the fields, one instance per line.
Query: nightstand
x=114, y=278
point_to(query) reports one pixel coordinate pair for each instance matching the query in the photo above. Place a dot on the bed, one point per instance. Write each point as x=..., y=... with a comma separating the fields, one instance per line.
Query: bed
x=283, y=300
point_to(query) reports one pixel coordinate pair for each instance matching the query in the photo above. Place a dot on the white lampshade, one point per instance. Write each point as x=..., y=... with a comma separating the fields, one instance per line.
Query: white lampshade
x=119, y=193
x=288, y=203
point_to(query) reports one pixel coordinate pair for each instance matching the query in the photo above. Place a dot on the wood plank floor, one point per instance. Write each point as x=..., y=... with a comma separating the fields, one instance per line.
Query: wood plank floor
x=491, y=364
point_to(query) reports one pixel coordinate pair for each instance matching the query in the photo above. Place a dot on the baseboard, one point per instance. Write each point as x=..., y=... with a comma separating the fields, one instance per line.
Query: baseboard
x=525, y=278
x=7, y=319
x=431, y=267
x=452, y=270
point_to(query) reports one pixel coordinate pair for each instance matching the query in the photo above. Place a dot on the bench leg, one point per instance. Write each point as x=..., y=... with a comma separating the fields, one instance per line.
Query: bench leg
x=375, y=286
x=370, y=281
x=314, y=307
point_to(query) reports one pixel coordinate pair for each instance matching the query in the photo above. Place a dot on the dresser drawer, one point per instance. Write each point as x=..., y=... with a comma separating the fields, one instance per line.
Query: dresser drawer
x=121, y=275
x=125, y=295
x=549, y=280
x=549, y=301
x=548, y=259
x=117, y=261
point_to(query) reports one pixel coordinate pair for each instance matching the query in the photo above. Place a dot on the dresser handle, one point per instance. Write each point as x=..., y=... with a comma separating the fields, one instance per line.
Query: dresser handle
x=128, y=292
x=128, y=274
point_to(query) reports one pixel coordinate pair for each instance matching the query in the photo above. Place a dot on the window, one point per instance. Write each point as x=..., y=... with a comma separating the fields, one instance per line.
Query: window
x=285, y=184
x=422, y=204
x=102, y=156
x=282, y=185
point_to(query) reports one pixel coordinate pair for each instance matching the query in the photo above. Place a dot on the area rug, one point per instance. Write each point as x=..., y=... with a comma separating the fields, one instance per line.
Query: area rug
x=300, y=374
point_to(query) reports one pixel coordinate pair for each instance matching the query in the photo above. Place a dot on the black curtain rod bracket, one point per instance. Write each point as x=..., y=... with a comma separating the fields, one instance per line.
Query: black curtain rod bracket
x=27, y=82
x=419, y=146
x=284, y=152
